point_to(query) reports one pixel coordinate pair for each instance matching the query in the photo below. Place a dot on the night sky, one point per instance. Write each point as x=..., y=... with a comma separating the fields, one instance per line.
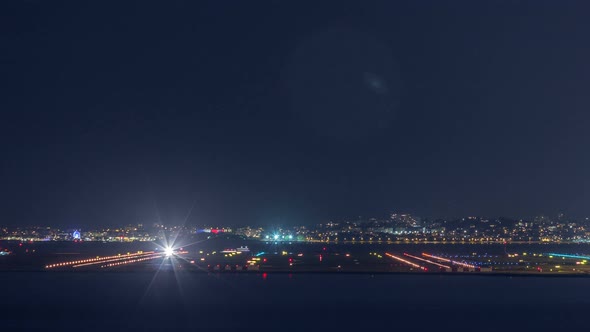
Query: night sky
x=292, y=112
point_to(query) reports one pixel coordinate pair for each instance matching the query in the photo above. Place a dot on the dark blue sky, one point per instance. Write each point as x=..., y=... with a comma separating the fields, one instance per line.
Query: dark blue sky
x=292, y=112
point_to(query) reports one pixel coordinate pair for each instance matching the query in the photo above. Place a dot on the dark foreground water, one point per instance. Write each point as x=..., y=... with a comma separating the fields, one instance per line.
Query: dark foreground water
x=278, y=302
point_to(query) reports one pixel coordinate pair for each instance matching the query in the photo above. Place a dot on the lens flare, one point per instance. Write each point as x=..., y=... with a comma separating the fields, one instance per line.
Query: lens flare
x=169, y=251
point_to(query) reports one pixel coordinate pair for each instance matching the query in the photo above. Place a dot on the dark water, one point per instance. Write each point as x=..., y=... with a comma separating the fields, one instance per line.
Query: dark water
x=253, y=302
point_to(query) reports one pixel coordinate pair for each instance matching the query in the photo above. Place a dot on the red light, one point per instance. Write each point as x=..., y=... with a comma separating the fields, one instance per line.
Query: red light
x=324, y=248
x=264, y=275
x=320, y=258
x=264, y=260
x=20, y=244
x=290, y=260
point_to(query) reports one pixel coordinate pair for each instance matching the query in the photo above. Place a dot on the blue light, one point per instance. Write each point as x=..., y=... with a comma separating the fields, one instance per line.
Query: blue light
x=569, y=256
x=76, y=235
x=260, y=254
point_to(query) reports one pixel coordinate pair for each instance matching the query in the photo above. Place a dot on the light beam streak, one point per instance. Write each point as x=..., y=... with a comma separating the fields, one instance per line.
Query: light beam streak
x=449, y=261
x=428, y=261
x=405, y=261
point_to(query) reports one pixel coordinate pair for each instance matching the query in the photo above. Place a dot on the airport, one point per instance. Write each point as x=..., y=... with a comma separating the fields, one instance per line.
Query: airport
x=330, y=259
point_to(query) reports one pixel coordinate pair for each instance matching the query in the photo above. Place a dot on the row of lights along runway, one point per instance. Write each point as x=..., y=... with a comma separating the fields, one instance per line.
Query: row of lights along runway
x=454, y=266
x=111, y=261
x=326, y=260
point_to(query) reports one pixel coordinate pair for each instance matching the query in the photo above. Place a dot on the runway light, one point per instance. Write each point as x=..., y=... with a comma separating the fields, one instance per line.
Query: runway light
x=406, y=261
x=568, y=256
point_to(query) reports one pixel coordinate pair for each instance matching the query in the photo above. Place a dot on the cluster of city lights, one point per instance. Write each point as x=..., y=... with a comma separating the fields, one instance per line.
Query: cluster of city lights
x=405, y=261
x=449, y=261
x=428, y=261
x=96, y=260
x=132, y=261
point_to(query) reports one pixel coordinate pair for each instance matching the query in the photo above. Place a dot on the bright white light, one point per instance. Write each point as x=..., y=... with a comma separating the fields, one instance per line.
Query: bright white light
x=276, y=236
x=169, y=251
